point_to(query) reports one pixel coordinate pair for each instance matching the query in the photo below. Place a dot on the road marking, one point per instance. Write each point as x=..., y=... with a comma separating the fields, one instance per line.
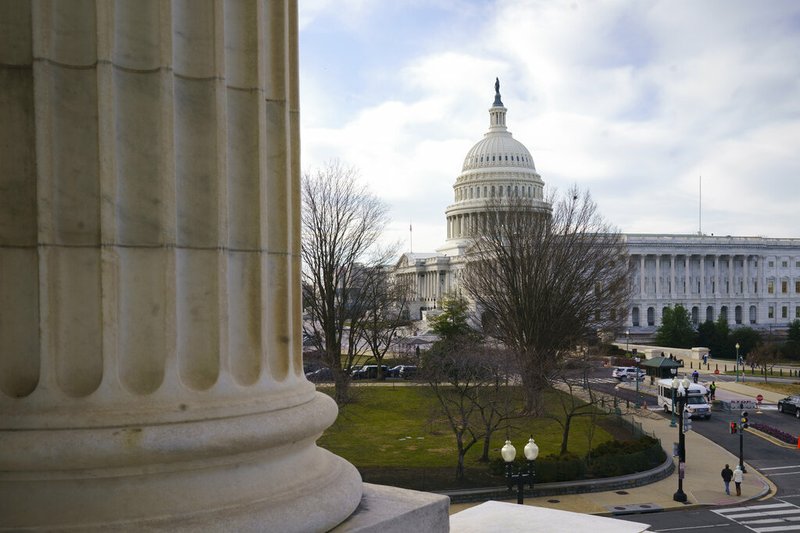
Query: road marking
x=727, y=510
x=772, y=513
x=778, y=468
x=784, y=474
x=693, y=528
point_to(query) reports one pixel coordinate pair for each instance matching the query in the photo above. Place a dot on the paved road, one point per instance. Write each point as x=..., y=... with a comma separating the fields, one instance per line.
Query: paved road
x=778, y=513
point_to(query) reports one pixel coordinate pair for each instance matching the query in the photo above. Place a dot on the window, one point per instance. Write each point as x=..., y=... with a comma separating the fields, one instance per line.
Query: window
x=797, y=286
x=797, y=264
x=797, y=312
x=771, y=264
x=771, y=312
x=784, y=312
x=770, y=287
x=784, y=287
x=755, y=286
x=785, y=264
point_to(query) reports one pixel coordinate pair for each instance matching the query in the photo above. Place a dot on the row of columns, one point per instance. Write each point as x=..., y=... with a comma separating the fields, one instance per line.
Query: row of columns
x=689, y=281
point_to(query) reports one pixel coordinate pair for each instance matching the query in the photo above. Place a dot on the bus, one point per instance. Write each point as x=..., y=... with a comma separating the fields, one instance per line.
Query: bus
x=697, y=405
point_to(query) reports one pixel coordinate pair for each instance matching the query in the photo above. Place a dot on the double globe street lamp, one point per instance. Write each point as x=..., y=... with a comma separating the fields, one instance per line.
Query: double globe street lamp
x=680, y=390
x=737, y=364
x=524, y=474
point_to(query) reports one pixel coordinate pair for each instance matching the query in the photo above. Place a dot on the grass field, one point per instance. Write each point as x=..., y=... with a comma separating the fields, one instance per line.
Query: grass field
x=396, y=434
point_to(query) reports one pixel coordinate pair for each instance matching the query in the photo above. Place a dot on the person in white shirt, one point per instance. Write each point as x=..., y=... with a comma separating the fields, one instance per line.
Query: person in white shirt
x=738, y=475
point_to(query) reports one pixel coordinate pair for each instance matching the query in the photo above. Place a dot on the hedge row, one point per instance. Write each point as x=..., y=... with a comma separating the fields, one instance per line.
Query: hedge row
x=613, y=458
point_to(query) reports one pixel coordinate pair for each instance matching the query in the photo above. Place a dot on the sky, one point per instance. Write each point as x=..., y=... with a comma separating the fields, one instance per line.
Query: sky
x=638, y=102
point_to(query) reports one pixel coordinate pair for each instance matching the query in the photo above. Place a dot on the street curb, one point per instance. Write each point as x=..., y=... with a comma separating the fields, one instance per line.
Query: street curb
x=557, y=488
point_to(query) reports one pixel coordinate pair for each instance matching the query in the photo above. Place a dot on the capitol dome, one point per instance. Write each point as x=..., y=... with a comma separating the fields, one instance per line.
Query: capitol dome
x=496, y=168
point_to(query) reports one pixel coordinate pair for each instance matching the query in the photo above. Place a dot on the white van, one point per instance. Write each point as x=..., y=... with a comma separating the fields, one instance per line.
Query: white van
x=697, y=405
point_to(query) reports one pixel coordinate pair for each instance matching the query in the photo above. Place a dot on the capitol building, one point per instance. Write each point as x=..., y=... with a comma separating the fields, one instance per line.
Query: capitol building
x=751, y=281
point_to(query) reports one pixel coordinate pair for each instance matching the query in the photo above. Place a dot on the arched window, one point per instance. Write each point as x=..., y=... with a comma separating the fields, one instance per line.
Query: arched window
x=753, y=314
x=516, y=191
x=737, y=314
x=508, y=191
x=635, y=317
x=723, y=312
x=709, y=313
x=492, y=191
x=651, y=316
x=695, y=315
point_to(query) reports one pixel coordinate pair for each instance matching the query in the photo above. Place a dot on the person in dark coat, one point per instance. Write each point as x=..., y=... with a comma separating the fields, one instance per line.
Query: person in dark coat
x=727, y=475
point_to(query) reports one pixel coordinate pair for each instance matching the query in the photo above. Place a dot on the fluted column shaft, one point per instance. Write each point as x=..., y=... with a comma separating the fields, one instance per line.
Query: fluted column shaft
x=149, y=251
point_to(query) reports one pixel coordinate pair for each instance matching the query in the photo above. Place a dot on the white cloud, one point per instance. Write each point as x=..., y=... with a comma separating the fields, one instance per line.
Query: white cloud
x=633, y=100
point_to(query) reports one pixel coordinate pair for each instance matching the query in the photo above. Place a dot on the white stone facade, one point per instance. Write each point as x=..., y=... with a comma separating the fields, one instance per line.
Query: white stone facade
x=753, y=281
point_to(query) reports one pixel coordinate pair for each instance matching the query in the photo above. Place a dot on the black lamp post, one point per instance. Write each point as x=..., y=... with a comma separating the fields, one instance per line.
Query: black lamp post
x=627, y=341
x=737, y=364
x=680, y=395
x=524, y=474
x=638, y=369
x=674, y=388
x=743, y=424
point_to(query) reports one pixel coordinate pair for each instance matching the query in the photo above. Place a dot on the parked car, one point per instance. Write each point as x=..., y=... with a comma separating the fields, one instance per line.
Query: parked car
x=369, y=372
x=791, y=405
x=623, y=373
x=403, y=371
x=321, y=374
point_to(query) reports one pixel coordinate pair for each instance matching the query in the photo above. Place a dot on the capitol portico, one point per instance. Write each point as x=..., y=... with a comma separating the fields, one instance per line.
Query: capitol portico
x=751, y=281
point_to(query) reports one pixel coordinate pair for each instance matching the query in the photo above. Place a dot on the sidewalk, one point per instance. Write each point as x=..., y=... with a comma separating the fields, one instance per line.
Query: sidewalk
x=702, y=483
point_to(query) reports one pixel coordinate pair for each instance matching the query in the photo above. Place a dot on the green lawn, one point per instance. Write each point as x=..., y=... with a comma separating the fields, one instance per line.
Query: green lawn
x=398, y=432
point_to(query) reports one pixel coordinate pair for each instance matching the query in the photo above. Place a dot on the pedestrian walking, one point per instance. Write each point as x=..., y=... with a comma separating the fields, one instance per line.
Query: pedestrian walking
x=727, y=475
x=713, y=390
x=737, y=480
x=695, y=376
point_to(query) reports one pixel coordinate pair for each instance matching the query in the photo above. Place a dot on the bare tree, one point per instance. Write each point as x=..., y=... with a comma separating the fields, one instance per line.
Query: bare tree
x=469, y=381
x=386, y=312
x=766, y=355
x=547, y=280
x=576, y=399
x=342, y=222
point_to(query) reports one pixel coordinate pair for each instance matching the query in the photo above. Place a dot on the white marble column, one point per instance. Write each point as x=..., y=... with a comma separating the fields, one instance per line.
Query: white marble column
x=153, y=379
x=641, y=276
x=672, y=290
x=658, y=276
x=702, y=276
x=731, y=280
x=746, y=284
x=687, y=281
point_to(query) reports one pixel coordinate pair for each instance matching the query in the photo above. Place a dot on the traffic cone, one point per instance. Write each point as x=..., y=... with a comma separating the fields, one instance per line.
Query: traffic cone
x=798, y=443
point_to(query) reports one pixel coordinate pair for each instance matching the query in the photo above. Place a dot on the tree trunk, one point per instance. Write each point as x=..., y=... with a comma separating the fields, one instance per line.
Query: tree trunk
x=486, y=444
x=461, y=453
x=565, y=435
x=341, y=386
